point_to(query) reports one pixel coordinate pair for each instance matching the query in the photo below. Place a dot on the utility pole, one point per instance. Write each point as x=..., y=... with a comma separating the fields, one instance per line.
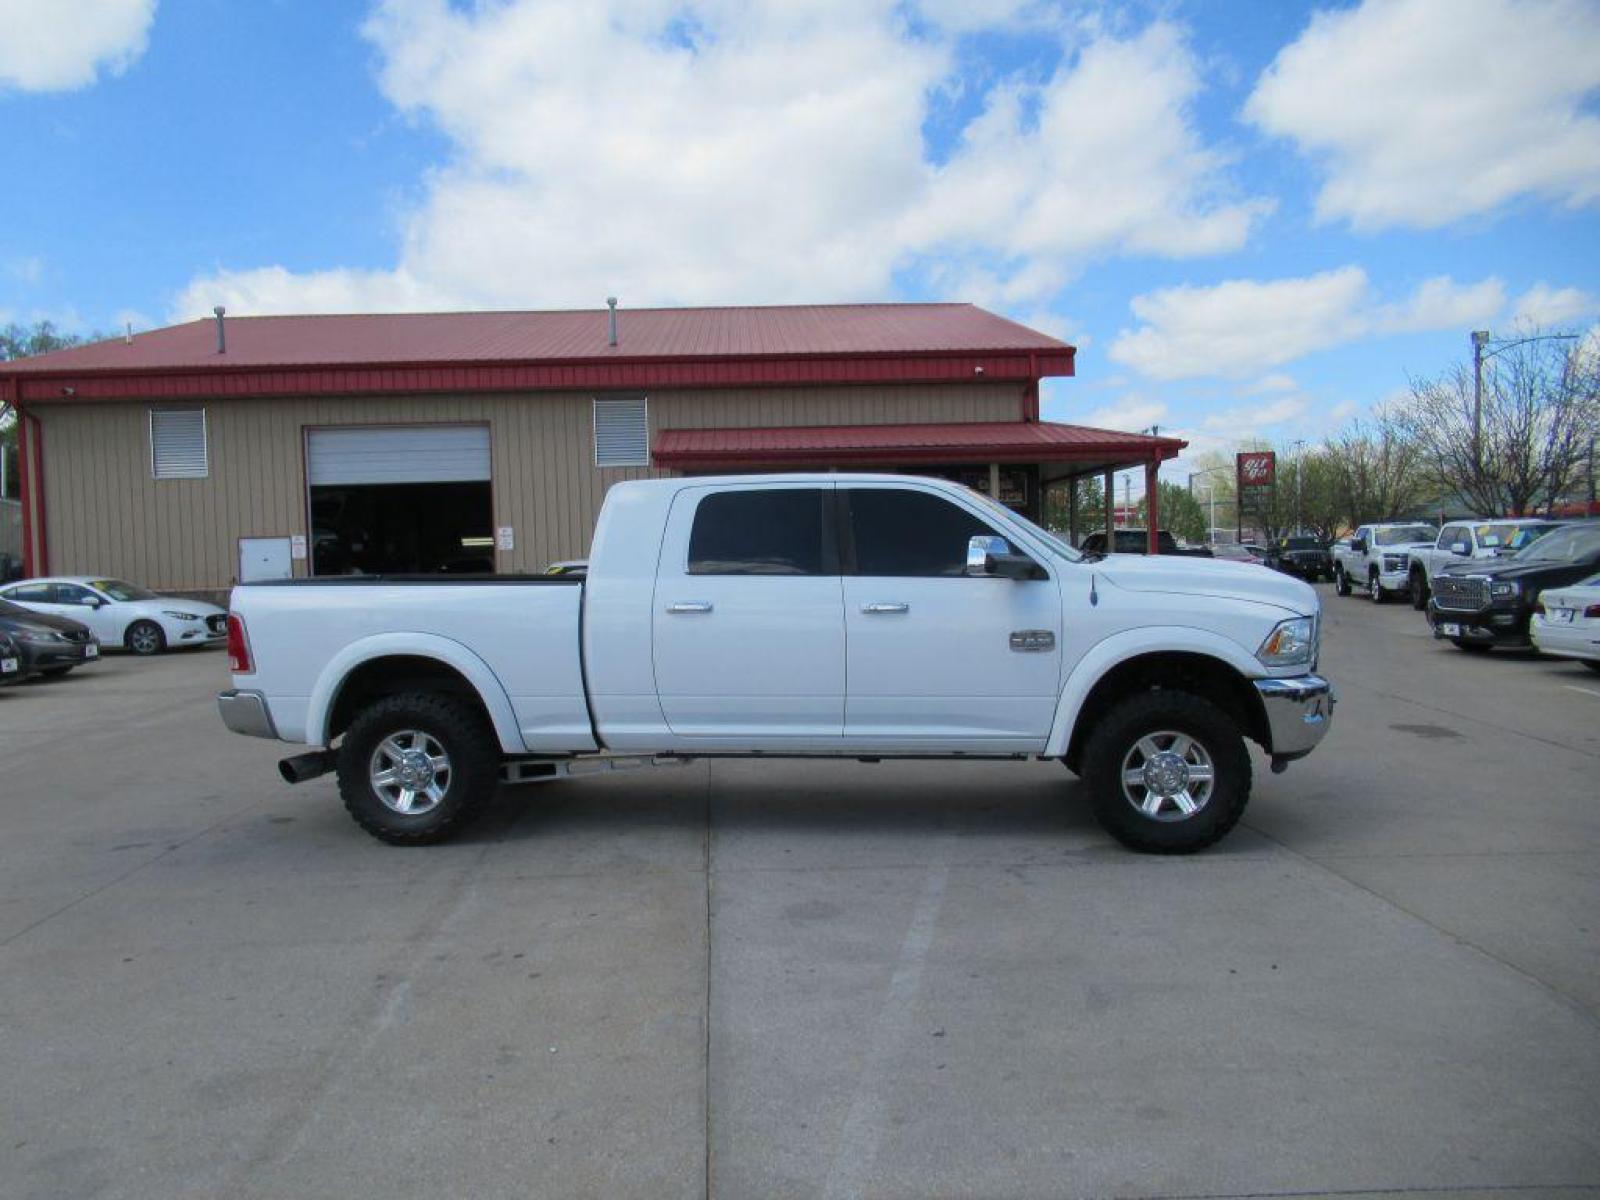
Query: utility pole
x=1480, y=339
x=1299, y=481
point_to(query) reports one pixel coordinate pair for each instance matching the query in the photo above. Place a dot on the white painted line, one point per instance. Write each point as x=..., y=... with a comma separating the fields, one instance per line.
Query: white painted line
x=1586, y=691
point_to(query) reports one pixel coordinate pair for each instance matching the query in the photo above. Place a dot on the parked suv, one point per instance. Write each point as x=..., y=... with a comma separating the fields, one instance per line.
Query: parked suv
x=1303, y=556
x=1479, y=605
x=1477, y=538
x=1378, y=558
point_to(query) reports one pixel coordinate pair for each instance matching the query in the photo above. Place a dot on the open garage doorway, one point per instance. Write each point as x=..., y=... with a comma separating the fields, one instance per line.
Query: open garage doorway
x=400, y=500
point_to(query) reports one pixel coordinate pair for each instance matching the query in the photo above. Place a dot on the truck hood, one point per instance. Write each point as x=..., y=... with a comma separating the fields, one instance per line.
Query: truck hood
x=1208, y=577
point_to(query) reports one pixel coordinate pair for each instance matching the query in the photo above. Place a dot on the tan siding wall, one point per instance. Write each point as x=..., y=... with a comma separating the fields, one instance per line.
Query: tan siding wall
x=106, y=514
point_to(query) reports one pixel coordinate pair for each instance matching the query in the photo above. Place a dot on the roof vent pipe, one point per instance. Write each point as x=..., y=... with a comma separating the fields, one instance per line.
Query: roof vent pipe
x=611, y=303
x=222, y=333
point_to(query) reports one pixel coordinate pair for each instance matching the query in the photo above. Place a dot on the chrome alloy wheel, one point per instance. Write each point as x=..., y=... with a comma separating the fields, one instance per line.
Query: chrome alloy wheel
x=1168, y=776
x=144, y=638
x=410, y=772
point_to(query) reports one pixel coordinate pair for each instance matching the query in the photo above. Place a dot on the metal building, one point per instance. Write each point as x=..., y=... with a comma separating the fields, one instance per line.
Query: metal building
x=256, y=447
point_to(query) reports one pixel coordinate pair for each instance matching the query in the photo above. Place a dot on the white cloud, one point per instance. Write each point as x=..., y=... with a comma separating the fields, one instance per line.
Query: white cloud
x=1542, y=306
x=764, y=151
x=1272, y=383
x=1247, y=325
x=1133, y=414
x=1425, y=111
x=1249, y=420
x=54, y=46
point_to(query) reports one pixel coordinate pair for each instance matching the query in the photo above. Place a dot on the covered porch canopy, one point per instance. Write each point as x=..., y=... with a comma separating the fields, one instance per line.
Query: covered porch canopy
x=1014, y=461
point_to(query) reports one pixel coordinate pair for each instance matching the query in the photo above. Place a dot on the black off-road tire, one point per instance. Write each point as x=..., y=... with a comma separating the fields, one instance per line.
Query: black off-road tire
x=1341, y=582
x=145, y=638
x=1156, y=711
x=467, y=739
x=1472, y=647
x=1419, y=591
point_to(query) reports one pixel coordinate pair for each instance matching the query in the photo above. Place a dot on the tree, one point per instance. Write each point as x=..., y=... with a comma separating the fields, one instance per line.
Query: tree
x=19, y=341
x=1378, y=467
x=1540, y=413
x=1180, y=513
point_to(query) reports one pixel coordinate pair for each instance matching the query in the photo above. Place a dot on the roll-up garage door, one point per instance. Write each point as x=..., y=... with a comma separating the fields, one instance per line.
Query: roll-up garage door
x=398, y=454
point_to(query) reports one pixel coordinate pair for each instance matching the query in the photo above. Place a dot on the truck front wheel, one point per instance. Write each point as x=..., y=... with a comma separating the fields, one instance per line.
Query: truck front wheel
x=1419, y=590
x=1341, y=582
x=1167, y=772
x=415, y=766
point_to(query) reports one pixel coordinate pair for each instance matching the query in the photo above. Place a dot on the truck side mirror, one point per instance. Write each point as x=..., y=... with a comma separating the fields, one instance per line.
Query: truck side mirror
x=1460, y=548
x=989, y=556
x=1358, y=546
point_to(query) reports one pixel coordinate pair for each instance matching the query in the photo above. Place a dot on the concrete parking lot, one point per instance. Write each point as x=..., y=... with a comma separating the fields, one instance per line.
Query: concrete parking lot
x=801, y=979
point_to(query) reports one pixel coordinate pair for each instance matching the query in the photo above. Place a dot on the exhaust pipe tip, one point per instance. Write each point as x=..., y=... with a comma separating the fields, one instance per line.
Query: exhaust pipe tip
x=306, y=766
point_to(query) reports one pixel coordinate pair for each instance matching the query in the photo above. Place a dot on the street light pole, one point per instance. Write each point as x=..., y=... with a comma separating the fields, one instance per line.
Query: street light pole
x=1480, y=339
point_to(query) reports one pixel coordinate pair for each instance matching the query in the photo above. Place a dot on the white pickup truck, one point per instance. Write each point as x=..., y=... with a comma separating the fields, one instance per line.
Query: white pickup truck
x=854, y=616
x=1377, y=559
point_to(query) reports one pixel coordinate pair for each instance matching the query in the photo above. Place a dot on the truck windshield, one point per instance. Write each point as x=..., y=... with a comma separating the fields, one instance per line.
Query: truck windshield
x=1509, y=538
x=1400, y=535
x=1044, y=535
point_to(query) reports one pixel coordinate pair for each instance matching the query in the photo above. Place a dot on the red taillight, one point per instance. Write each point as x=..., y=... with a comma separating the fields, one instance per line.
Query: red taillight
x=238, y=647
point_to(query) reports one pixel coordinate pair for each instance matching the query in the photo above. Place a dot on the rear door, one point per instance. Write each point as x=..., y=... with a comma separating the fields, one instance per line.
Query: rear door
x=748, y=618
x=937, y=658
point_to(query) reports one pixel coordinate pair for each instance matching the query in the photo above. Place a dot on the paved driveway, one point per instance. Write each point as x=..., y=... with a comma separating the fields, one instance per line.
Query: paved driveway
x=801, y=979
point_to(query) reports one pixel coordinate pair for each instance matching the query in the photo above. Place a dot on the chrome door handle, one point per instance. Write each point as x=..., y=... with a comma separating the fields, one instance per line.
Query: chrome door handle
x=873, y=610
x=695, y=606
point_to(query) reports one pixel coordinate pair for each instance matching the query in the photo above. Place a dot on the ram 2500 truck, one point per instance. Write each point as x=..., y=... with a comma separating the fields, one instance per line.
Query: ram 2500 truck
x=841, y=616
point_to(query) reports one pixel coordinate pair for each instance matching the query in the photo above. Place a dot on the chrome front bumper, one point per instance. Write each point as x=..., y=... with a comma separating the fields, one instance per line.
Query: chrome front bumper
x=246, y=713
x=1298, y=710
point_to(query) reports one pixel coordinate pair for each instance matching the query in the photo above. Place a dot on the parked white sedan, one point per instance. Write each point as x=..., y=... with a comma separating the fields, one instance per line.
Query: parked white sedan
x=1566, y=622
x=123, y=614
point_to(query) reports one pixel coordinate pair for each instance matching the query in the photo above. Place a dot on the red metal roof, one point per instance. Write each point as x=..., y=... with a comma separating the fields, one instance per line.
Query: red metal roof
x=520, y=337
x=978, y=441
x=518, y=351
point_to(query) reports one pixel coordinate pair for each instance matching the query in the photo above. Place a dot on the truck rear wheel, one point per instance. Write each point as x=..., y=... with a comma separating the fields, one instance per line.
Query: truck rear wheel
x=1167, y=772
x=414, y=767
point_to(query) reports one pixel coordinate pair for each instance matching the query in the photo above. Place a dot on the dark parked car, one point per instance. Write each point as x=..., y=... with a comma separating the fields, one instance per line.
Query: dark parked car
x=10, y=661
x=1137, y=541
x=1489, y=602
x=1303, y=556
x=50, y=645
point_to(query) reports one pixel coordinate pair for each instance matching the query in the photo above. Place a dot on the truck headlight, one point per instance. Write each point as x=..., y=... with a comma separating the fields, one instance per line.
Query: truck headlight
x=1509, y=588
x=1394, y=562
x=1290, y=643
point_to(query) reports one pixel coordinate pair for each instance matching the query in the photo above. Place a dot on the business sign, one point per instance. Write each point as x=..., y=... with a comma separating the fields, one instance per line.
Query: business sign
x=1257, y=468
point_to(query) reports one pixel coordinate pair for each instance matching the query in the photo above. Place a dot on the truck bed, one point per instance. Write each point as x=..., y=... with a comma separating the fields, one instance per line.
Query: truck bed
x=516, y=638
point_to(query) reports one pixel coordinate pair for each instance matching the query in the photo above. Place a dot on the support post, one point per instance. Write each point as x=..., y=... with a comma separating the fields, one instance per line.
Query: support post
x=1152, y=503
x=1072, y=508
x=1111, y=511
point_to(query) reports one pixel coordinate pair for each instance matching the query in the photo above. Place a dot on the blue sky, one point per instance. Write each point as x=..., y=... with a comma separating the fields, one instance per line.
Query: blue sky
x=1254, y=218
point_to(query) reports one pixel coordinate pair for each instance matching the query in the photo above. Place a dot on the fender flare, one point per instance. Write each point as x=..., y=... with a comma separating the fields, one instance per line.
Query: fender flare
x=413, y=645
x=1109, y=653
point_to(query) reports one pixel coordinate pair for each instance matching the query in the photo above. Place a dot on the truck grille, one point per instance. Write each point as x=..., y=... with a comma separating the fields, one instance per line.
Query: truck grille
x=1460, y=595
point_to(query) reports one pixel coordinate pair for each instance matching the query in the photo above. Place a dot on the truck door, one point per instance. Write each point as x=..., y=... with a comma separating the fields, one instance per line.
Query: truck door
x=937, y=658
x=748, y=617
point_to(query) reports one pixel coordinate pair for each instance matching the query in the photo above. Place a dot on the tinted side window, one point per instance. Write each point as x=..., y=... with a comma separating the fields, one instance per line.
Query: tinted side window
x=904, y=533
x=71, y=593
x=33, y=593
x=765, y=531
